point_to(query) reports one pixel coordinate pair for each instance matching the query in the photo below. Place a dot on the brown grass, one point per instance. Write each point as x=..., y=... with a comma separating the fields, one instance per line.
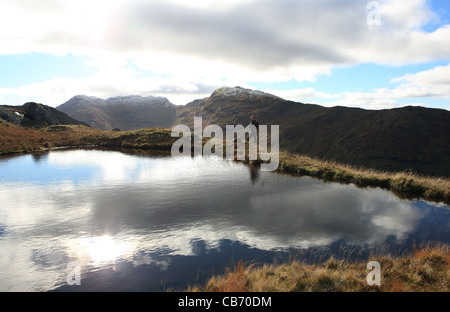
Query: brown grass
x=235, y=281
x=403, y=184
x=426, y=270
x=15, y=139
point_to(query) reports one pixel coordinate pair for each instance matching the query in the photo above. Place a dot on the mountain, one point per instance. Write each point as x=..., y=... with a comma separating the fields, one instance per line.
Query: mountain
x=400, y=139
x=125, y=112
x=35, y=115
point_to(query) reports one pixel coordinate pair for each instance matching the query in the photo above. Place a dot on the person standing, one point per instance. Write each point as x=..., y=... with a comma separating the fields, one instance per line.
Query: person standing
x=253, y=135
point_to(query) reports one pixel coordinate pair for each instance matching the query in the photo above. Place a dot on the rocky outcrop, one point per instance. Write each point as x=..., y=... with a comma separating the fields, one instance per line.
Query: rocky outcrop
x=36, y=115
x=39, y=114
x=11, y=116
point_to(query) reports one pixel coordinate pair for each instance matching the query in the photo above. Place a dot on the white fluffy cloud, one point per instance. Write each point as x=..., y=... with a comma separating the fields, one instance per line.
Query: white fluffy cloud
x=433, y=83
x=260, y=36
x=107, y=83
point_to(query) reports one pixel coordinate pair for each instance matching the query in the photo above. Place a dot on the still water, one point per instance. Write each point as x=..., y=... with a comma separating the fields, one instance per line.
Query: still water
x=117, y=222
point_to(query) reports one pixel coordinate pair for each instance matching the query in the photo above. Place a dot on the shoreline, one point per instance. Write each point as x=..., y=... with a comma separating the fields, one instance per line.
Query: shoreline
x=427, y=269
x=406, y=185
x=15, y=140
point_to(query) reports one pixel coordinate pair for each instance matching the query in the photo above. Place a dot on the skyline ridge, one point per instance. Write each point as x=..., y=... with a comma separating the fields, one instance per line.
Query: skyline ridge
x=348, y=53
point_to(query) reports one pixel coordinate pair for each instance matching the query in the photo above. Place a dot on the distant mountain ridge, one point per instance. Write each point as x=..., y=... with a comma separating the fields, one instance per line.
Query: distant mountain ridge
x=122, y=112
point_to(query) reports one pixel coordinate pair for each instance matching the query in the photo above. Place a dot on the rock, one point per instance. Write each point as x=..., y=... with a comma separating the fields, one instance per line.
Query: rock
x=10, y=116
x=40, y=114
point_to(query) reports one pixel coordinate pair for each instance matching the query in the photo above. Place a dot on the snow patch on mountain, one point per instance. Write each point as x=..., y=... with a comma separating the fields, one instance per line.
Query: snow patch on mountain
x=239, y=91
x=140, y=100
x=122, y=100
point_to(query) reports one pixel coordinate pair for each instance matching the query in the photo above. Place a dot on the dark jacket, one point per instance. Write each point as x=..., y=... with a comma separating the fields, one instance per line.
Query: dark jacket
x=256, y=124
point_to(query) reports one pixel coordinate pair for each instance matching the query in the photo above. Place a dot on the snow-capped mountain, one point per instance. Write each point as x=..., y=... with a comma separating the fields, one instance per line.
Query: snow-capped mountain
x=239, y=91
x=121, y=112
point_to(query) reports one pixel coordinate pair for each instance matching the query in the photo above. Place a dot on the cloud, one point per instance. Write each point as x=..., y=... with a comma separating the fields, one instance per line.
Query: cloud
x=94, y=220
x=433, y=83
x=368, y=100
x=306, y=93
x=249, y=34
x=406, y=15
x=266, y=35
x=375, y=215
x=114, y=77
x=193, y=47
x=382, y=98
x=261, y=35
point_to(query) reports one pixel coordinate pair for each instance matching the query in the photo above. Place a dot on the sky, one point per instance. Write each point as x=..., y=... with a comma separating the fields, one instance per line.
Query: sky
x=355, y=53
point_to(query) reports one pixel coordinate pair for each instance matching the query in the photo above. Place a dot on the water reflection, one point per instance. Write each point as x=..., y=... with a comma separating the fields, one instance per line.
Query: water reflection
x=140, y=220
x=40, y=157
x=254, y=174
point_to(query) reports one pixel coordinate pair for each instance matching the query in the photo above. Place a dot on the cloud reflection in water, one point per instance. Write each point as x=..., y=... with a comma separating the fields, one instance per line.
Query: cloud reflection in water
x=104, y=209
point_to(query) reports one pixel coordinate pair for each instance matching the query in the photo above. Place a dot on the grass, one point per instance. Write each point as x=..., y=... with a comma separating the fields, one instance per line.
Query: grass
x=403, y=184
x=15, y=139
x=427, y=269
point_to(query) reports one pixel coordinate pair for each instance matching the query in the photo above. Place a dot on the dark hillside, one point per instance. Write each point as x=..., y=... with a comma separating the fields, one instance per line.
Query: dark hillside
x=413, y=138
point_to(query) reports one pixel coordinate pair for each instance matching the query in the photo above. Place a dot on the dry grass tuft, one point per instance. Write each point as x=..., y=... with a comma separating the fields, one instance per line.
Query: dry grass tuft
x=235, y=281
x=427, y=269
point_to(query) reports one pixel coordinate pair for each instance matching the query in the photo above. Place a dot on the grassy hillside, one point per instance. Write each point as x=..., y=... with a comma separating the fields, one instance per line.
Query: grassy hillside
x=15, y=139
x=95, y=117
x=394, y=140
